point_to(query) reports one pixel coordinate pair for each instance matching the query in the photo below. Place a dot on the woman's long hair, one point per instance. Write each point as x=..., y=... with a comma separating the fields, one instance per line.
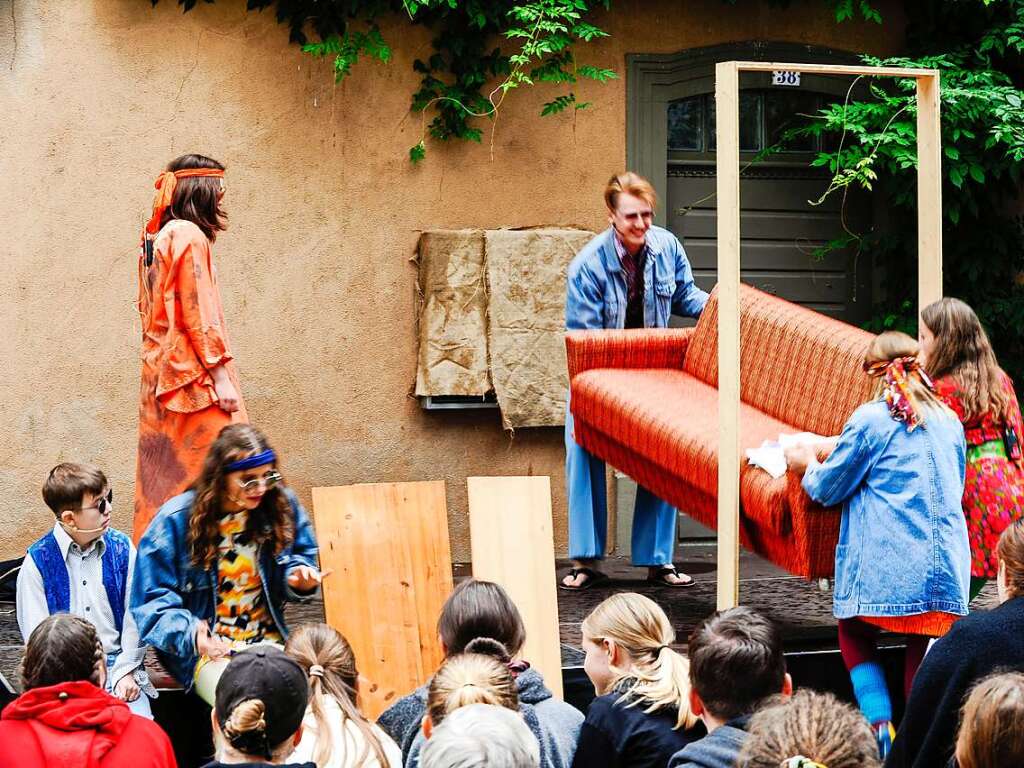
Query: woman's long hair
x=1010, y=551
x=269, y=524
x=992, y=723
x=63, y=649
x=327, y=658
x=659, y=677
x=963, y=352
x=197, y=198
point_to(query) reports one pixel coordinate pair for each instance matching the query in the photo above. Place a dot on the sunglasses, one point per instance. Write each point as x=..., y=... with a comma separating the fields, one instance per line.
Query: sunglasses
x=103, y=504
x=268, y=481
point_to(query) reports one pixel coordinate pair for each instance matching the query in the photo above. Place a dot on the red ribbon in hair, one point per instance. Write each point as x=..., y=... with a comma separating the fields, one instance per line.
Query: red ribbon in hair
x=897, y=387
x=165, y=185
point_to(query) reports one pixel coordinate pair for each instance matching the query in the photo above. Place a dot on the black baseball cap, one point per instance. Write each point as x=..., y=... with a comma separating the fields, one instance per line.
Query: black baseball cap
x=266, y=673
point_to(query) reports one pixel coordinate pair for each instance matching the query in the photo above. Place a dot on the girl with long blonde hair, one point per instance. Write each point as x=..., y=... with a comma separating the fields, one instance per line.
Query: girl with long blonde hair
x=957, y=353
x=903, y=560
x=335, y=733
x=641, y=715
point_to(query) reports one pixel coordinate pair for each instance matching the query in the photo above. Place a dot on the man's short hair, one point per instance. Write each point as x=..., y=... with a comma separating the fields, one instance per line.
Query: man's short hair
x=736, y=662
x=68, y=483
x=632, y=184
x=481, y=736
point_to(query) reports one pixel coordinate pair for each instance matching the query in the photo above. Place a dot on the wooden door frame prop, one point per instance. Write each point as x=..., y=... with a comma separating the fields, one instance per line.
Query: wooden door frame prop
x=929, y=276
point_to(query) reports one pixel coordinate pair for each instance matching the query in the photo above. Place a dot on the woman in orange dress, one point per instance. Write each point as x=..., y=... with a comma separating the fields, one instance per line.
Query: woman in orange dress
x=189, y=383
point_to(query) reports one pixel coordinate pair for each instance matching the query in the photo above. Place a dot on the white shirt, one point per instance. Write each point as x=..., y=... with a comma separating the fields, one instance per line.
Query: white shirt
x=351, y=737
x=88, y=600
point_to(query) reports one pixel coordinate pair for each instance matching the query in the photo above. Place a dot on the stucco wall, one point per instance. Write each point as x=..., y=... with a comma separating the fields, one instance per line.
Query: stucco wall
x=325, y=210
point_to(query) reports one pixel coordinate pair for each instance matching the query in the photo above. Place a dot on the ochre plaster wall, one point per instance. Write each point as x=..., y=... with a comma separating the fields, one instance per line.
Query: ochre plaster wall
x=97, y=95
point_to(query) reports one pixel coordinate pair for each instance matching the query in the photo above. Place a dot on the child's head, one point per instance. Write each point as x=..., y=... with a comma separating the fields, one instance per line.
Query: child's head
x=1010, y=552
x=627, y=639
x=992, y=723
x=480, y=609
x=808, y=730
x=482, y=736
x=479, y=675
x=239, y=474
x=892, y=359
x=63, y=649
x=260, y=702
x=736, y=662
x=330, y=666
x=954, y=343
x=80, y=498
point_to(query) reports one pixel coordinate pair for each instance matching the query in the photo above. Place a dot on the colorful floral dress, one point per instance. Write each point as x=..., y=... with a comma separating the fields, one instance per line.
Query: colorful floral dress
x=994, y=482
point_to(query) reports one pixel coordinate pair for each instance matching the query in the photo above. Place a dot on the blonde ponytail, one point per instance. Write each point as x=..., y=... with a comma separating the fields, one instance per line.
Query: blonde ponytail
x=658, y=676
x=471, y=678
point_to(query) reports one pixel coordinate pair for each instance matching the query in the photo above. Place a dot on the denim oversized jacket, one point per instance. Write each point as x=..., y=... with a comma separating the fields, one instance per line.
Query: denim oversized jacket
x=596, y=286
x=170, y=596
x=903, y=546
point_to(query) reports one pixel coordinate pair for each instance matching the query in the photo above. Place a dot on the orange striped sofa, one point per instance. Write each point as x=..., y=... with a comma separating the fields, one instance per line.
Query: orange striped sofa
x=646, y=401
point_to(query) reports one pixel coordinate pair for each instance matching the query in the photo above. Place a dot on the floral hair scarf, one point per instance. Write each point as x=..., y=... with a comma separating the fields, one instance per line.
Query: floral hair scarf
x=896, y=374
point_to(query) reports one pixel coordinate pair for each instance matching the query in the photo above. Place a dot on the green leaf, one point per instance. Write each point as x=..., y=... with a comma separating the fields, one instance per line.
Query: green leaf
x=417, y=153
x=956, y=177
x=977, y=173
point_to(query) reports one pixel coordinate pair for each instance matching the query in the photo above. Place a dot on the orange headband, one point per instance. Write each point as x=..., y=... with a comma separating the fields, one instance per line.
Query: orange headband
x=165, y=184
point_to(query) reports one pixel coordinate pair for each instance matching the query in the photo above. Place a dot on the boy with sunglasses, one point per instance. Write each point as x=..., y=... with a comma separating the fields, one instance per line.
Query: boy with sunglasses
x=84, y=567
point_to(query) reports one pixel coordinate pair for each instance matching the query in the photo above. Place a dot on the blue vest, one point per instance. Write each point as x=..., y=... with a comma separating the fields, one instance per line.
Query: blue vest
x=46, y=555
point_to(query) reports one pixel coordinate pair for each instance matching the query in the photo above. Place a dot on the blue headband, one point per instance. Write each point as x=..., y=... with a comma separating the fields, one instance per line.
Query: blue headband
x=267, y=457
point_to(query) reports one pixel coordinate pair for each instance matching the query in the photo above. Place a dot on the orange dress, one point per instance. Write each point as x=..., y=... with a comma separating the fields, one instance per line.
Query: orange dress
x=183, y=335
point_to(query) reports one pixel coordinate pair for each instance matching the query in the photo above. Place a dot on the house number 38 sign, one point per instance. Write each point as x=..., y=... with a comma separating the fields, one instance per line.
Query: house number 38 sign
x=783, y=77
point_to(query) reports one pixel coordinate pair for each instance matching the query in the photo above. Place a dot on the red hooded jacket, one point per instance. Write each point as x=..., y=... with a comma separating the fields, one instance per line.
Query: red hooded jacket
x=76, y=725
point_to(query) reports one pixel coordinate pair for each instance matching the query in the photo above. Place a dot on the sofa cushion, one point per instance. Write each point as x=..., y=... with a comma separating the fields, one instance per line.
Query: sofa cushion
x=795, y=364
x=670, y=418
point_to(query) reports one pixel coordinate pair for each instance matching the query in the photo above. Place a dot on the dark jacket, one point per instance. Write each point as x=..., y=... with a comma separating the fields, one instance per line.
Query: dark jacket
x=719, y=749
x=555, y=723
x=615, y=735
x=76, y=725
x=975, y=647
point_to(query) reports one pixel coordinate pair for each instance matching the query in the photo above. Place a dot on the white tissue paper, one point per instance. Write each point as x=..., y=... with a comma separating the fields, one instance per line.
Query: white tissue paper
x=771, y=456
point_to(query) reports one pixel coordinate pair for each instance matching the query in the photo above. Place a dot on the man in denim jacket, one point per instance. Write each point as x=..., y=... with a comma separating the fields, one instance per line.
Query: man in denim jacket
x=633, y=275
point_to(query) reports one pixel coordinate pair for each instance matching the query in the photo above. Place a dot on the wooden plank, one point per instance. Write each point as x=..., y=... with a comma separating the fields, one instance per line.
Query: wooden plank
x=512, y=543
x=388, y=545
x=728, y=218
x=929, y=192
x=832, y=69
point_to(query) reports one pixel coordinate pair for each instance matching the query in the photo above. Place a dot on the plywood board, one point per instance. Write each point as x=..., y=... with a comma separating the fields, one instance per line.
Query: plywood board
x=511, y=538
x=388, y=546
x=929, y=193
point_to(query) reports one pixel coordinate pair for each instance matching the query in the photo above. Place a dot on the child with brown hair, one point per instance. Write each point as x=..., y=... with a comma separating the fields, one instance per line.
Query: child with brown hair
x=957, y=354
x=85, y=567
x=335, y=733
x=808, y=730
x=64, y=717
x=641, y=715
x=482, y=609
x=903, y=559
x=992, y=728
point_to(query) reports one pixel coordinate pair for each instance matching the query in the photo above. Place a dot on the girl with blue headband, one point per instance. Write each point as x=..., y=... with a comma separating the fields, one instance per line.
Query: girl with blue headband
x=218, y=563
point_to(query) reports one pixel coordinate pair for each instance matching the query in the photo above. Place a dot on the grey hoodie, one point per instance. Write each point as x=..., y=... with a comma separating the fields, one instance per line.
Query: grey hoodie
x=719, y=749
x=555, y=723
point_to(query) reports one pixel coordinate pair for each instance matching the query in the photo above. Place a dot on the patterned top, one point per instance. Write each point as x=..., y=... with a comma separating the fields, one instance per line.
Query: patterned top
x=984, y=428
x=241, y=604
x=633, y=266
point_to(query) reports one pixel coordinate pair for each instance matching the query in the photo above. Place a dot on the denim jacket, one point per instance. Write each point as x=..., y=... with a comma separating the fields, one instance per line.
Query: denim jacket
x=596, y=288
x=903, y=546
x=170, y=595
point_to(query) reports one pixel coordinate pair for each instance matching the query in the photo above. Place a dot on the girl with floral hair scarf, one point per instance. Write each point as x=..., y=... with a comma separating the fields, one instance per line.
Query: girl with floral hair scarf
x=903, y=559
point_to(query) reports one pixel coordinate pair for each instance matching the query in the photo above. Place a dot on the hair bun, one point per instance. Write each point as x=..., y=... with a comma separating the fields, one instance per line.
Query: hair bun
x=488, y=646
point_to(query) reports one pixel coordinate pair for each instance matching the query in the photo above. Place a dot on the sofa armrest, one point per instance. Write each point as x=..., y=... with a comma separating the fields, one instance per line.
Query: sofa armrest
x=633, y=348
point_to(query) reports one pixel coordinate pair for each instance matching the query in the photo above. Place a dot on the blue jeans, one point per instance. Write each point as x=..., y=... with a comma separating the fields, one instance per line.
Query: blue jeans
x=654, y=520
